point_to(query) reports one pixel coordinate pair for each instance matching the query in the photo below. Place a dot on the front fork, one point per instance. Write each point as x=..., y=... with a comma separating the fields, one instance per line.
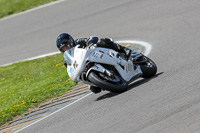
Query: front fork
x=99, y=68
x=95, y=67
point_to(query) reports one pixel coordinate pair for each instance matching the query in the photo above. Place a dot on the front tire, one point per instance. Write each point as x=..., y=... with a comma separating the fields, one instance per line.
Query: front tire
x=118, y=85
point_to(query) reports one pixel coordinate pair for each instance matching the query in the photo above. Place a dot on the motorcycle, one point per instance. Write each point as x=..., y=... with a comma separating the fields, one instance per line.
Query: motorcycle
x=106, y=68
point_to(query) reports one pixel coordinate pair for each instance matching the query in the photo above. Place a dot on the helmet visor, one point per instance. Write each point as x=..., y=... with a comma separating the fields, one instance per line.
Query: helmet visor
x=67, y=44
x=65, y=47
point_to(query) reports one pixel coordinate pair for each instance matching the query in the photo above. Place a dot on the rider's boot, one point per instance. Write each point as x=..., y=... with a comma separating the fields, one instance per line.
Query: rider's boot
x=122, y=49
x=127, y=52
x=135, y=56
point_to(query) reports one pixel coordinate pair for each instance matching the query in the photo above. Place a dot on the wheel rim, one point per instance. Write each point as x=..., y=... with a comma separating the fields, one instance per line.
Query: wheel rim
x=149, y=63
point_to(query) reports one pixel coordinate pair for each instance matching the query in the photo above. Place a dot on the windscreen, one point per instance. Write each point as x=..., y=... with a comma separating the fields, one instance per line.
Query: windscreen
x=69, y=56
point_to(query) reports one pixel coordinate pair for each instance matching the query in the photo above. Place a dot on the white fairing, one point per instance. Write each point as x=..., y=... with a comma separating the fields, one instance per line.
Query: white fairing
x=77, y=58
x=77, y=65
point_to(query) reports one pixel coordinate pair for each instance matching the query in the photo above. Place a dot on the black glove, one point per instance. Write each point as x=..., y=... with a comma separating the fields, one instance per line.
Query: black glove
x=92, y=40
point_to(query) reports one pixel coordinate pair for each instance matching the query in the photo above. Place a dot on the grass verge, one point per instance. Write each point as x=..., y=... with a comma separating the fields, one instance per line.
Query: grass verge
x=8, y=7
x=26, y=84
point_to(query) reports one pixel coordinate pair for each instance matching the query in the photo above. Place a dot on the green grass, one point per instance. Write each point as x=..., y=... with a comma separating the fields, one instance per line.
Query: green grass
x=25, y=85
x=8, y=7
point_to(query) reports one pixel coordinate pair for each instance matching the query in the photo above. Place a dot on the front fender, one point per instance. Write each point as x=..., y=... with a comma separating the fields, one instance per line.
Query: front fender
x=96, y=67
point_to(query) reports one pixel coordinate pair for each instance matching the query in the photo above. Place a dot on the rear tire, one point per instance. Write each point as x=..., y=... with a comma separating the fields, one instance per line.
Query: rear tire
x=148, y=68
x=105, y=84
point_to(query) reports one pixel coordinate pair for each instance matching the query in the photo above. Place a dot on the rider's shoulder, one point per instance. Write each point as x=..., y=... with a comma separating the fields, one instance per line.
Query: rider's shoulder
x=107, y=40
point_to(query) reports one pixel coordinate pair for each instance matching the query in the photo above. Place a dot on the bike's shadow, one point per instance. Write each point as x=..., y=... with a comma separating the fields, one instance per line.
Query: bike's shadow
x=131, y=86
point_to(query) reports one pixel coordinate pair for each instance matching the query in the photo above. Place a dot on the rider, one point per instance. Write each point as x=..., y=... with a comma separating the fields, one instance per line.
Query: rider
x=65, y=41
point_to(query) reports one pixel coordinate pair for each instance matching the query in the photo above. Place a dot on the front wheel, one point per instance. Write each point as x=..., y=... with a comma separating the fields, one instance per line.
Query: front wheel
x=113, y=84
x=149, y=68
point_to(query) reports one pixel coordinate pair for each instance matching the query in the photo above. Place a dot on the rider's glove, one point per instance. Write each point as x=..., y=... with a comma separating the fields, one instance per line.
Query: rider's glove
x=92, y=40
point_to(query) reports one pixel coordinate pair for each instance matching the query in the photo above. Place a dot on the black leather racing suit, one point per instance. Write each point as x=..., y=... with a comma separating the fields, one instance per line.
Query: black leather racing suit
x=105, y=43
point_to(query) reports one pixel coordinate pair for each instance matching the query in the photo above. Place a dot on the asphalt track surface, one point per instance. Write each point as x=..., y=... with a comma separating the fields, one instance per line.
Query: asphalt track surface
x=167, y=103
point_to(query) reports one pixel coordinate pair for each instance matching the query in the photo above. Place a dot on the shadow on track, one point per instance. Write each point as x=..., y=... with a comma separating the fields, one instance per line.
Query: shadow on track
x=108, y=95
x=131, y=86
x=142, y=81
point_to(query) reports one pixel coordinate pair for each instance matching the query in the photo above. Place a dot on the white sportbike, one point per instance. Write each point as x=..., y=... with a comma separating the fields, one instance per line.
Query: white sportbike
x=106, y=68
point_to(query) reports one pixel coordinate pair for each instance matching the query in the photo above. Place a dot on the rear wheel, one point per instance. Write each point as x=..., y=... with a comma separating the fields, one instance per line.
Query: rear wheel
x=148, y=68
x=113, y=84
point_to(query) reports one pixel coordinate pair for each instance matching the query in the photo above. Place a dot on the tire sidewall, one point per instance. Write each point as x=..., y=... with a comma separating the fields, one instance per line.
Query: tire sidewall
x=118, y=88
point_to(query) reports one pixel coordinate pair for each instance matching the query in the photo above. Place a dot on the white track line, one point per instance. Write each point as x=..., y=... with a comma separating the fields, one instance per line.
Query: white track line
x=54, y=112
x=148, y=48
x=27, y=11
x=33, y=9
x=37, y=57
